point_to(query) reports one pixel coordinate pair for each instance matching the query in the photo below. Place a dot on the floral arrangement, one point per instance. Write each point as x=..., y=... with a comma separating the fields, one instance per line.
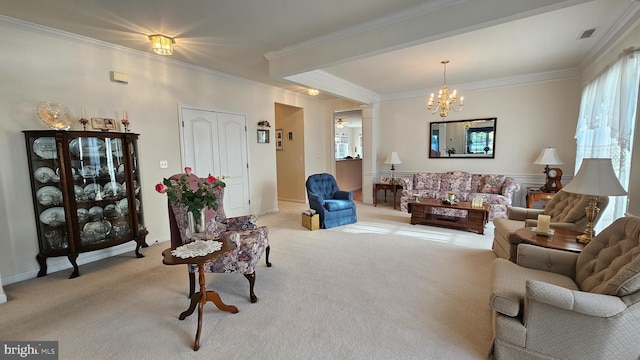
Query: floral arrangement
x=264, y=123
x=195, y=200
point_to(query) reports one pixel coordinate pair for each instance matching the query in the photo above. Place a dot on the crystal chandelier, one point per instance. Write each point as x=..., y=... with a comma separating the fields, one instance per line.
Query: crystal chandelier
x=445, y=100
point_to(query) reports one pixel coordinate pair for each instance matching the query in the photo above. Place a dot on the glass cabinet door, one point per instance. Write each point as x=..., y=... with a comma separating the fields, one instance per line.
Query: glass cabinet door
x=99, y=188
x=48, y=194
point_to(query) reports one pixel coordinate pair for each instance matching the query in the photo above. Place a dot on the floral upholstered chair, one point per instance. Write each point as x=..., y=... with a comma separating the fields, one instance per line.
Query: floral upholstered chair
x=250, y=240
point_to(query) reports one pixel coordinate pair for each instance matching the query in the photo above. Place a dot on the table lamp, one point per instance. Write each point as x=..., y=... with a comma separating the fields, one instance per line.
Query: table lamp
x=549, y=156
x=393, y=159
x=595, y=178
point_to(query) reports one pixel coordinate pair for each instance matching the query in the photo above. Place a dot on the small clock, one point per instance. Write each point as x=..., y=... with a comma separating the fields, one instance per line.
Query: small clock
x=553, y=183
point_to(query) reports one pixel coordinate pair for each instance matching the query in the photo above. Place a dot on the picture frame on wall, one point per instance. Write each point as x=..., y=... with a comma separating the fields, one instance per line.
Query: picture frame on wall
x=279, y=139
x=263, y=136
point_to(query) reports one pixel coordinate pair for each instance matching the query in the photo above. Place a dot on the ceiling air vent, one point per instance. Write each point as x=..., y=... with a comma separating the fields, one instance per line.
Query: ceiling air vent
x=586, y=34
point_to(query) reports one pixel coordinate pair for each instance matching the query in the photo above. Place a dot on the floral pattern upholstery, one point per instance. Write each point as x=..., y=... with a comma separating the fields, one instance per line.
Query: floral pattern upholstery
x=495, y=190
x=250, y=240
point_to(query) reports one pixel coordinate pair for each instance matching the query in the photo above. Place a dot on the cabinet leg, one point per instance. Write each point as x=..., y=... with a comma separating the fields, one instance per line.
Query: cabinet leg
x=76, y=271
x=42, y=261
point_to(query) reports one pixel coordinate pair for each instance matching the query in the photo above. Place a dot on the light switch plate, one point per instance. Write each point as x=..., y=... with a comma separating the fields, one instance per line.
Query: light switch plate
x=164, y=164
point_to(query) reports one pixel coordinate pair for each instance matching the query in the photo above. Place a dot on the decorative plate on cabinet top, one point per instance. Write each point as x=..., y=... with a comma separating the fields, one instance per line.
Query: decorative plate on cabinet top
x=45, y=147
x=55, y=115
x=53, y=216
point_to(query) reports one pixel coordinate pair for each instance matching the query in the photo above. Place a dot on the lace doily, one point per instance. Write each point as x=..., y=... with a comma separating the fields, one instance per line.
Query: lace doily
x=196, y=248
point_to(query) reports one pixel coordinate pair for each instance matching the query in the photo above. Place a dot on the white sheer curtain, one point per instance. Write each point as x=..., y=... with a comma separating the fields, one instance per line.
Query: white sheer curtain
x=606, y=123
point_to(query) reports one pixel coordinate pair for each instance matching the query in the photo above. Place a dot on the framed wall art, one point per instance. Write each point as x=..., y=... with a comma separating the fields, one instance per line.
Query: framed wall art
x=263, y=136
x=279, y=139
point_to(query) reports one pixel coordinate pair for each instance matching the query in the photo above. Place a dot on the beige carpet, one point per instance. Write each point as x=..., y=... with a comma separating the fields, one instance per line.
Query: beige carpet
x=377, y=289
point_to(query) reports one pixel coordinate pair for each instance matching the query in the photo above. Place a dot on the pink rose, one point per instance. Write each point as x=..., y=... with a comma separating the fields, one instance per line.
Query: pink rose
x=161, y=188
x=187, y=170
x=211, y=179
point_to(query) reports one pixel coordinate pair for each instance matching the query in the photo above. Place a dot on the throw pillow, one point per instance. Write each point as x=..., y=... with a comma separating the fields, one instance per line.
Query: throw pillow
x=491, y=184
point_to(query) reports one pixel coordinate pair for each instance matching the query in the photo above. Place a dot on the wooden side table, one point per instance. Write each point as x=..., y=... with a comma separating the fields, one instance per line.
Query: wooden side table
x=535, y=195
x=200, y=298
x=391, y=187
x=561, y=239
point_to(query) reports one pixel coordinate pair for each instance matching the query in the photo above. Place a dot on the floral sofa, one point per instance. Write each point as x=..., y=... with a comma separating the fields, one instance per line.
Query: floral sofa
x=495, y=190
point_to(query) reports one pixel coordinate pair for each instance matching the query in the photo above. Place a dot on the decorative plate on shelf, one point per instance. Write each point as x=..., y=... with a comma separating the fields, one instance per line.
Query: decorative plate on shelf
x=45, y=147
x=55, y=115
x=45, y=174
x=49, y=195
x=87, y=147
x=53, y=216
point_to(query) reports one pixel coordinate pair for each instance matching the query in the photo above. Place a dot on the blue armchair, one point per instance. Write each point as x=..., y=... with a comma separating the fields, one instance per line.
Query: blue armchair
x=335, y=207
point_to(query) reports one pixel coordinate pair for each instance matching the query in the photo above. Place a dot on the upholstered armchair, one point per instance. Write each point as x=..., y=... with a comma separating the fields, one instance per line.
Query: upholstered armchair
x=250, y=240
x=555, y=304
x=567, y=211
x=335, y=207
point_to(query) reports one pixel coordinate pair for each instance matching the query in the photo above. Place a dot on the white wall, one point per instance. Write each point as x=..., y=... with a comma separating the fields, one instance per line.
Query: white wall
x=529, y=118
x=48, y=65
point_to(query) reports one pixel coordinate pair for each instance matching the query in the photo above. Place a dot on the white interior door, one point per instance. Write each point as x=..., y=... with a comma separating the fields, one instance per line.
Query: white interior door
x=216, y=143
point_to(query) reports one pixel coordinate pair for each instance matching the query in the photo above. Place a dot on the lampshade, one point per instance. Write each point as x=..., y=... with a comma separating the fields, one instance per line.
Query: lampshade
x=548, y=156
x=597, y=178
x=393, y=159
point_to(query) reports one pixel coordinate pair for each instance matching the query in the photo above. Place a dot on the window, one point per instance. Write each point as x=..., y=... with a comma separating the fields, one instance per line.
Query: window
x=479, y=140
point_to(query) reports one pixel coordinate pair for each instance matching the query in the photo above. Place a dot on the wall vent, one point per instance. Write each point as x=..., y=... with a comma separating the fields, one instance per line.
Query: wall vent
x=586, y=34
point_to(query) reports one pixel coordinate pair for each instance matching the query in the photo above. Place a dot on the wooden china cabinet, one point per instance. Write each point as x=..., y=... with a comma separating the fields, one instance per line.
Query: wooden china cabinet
x=86, y=192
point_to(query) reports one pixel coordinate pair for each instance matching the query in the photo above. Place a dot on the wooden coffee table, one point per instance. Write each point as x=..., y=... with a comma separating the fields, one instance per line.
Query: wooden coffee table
x=561, y=239
x=475, y=219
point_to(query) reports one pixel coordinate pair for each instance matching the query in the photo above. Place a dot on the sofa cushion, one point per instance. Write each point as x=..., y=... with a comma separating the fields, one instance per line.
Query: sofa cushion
x=610, y=264
x=456, y=181
x=509, y=285
x=427, y=181
x=491, y=184
x=335, y=205
x=568, y=207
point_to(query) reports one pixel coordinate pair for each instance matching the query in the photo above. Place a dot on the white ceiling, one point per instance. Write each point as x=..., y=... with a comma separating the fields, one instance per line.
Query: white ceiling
x=366, y=50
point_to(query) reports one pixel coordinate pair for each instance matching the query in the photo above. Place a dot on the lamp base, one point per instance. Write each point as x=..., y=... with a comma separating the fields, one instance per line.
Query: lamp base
x=592, y=212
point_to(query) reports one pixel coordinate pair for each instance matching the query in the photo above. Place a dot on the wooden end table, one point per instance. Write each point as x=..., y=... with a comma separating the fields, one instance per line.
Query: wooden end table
x=391, y=187
x=422, y=213
x=200, y=298
x=561, y=239
x=535, y=195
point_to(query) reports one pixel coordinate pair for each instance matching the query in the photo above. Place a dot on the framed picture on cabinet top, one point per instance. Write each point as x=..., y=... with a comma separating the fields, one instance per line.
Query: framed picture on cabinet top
x=104, y=124
x=263, y=136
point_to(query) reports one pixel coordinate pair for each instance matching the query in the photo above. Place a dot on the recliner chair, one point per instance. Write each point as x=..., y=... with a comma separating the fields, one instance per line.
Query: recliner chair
x=567, y=211
x=556, y=304
x=335, y=207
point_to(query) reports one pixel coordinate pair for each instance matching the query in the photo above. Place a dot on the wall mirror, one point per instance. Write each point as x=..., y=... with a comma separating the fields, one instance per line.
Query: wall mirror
x=466, y=139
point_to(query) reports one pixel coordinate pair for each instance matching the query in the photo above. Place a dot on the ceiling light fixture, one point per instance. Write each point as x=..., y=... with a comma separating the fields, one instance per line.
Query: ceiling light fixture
x=161, y=44
x=340, y=124
x=445, y=101
x=313, y=92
